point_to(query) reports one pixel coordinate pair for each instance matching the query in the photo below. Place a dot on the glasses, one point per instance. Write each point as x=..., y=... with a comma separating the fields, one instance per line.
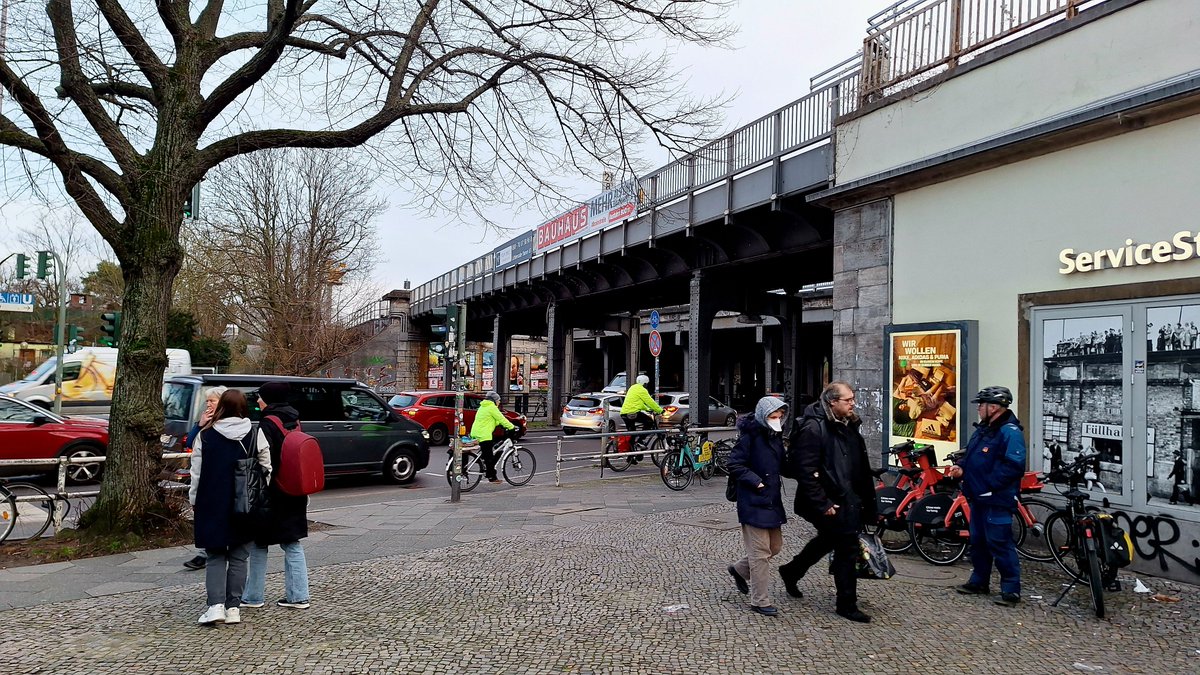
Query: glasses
x=850, y=399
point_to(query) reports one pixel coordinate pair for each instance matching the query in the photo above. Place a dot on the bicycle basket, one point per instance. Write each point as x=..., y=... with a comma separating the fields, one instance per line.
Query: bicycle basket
x=1118, y=548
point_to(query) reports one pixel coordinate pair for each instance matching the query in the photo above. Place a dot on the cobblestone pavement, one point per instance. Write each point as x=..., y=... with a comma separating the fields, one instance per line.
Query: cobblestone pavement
x=614, y=593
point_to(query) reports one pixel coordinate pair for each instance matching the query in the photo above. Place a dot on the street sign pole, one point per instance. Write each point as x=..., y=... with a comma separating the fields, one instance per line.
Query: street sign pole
x=60, y=337
x=655, y=347
x=456, y=343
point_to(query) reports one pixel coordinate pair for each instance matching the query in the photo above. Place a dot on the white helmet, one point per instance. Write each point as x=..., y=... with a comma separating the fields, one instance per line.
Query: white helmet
x=643, y=379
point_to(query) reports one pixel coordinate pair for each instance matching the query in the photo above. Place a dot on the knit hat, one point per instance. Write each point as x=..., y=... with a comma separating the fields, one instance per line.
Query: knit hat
x=274, y=392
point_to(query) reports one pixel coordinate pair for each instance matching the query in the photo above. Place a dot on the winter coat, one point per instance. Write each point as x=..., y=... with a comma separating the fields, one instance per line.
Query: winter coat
x=831, y=467
x=486, y=420
x=215, y=452
x=756, y=459
x=638, y=399
x=995, y=462
x=287, y=519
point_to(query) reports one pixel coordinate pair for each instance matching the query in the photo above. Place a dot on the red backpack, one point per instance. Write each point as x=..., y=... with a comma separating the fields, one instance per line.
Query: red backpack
x=301, y=469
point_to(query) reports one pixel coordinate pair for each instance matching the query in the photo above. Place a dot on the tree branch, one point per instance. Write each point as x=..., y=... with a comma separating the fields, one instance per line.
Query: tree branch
x=131, y=39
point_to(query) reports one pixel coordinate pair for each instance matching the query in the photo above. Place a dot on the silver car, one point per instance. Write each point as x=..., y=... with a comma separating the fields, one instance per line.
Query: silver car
x=677, y=410
x=592, y=413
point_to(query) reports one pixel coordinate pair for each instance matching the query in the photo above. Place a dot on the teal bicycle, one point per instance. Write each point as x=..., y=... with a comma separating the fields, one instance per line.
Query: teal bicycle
x=686, y=456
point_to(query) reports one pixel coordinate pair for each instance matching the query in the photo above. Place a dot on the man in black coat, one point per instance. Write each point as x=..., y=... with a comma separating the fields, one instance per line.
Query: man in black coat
x=835, y=493
x=287, y=519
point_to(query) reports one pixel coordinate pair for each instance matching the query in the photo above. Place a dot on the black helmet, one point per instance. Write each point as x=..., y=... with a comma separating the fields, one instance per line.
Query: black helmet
x=998, y=395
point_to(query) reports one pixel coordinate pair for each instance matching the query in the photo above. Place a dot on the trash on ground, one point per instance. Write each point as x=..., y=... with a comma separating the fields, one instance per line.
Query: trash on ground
x=1086, y=668
x=1035, y=597
x=671, y=609
x=1163, y=597
x=1139, y=587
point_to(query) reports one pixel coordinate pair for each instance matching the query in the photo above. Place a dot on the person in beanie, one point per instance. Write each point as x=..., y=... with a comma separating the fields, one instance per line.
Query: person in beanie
x=286, y=522
x=835, y=493
x=991, y=472
x=754, y=464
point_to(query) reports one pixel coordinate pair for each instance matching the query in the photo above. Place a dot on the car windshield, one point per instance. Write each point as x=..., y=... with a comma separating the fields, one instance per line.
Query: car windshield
x=583, y=402
x=666, y=399
x=402, y=400
x=618, y=381
x=41, y=371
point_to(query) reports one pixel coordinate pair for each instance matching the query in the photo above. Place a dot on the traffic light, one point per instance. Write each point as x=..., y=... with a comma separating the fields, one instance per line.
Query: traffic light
x=22, y=265
x=111, y=327
x=440, y=313
x=191, y=204
x=43, y=266
x=74, y=332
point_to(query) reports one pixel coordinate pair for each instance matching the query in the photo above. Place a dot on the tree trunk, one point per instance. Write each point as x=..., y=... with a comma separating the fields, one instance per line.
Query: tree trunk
x=129, y=498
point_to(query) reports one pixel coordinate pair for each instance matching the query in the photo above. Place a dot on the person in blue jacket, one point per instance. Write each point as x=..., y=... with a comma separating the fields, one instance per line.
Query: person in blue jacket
x=754, y=464
x=991, y=472
x=211, y=396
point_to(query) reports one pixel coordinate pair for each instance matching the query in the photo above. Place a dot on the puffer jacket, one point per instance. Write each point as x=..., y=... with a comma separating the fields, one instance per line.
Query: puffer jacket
x=756, y=459
x=824, y=449
x=995, y=462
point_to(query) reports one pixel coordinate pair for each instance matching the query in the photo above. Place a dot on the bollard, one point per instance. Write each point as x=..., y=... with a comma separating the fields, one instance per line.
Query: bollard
x=558, y=462
x=60, y=502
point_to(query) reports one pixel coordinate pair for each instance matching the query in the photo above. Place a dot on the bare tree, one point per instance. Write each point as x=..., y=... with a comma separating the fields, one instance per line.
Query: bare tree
x=289, y=230
x=130, y=104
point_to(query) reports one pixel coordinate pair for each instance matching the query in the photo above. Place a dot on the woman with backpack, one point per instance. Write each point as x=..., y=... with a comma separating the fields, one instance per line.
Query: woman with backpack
x=225, y=439
x=286, y=522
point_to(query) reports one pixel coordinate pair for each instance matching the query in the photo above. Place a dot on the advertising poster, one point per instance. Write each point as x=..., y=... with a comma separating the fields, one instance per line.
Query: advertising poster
x=489, y=370
x=435, y=369
x=924, y=381
x=516, y=372
x=538, y=374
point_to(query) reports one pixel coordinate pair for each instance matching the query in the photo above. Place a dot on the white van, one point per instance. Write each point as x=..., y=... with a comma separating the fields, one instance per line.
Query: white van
x=88, y=378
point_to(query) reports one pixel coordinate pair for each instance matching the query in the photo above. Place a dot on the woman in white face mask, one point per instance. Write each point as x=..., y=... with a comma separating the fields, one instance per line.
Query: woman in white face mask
x=755, y=465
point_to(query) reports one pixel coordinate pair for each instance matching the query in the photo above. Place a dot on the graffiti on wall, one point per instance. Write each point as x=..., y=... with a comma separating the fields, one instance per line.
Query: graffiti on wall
x=378, y=377
x=1157, y=539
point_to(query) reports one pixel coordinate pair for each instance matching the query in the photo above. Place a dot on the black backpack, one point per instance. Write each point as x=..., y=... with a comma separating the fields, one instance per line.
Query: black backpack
x=791, y=458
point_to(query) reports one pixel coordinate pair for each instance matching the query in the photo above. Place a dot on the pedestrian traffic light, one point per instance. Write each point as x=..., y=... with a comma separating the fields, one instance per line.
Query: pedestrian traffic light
x=110, y=325
x=43, y=265
x=22, y=265
x=191, y=204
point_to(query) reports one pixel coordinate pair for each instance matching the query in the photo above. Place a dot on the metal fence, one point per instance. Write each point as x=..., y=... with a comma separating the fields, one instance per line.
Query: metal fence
x=605, y=449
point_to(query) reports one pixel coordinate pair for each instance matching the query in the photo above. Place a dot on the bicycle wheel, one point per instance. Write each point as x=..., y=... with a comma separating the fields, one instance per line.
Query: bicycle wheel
x=656, y=443
x=1060, y=540
x=1095, y=578
x=1036, y=546
x=893, y=540
x=472, y=468
x=935, y=547
x=519, y=466
x=8, y=513
x=34, y=509
x=676, y=470
x=615, y=463
x=721, y=453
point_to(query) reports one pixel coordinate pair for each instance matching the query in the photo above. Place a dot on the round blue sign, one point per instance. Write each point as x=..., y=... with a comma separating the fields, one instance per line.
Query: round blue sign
x=654, y=318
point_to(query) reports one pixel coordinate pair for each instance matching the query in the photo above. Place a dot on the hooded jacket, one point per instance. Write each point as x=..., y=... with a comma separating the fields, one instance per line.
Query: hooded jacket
x=831, y=466
x=487, y=419
x=756, y=459
x=287, y=518
x=215, y=453
x=638, y=399
x=994, y=462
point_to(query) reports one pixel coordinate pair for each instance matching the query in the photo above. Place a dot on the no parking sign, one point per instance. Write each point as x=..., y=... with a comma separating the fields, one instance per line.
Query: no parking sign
x=655, y=343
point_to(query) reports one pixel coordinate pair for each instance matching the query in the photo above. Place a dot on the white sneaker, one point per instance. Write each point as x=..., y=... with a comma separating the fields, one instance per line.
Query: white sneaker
x=215, y=614
x=233, y=615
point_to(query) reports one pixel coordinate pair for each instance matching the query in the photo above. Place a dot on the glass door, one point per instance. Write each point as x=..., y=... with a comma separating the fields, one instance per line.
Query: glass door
x=1082, y=391
x=1167, y=388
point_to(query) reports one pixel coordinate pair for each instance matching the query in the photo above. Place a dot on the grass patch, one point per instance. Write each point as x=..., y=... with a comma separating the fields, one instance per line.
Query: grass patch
x=71, y=544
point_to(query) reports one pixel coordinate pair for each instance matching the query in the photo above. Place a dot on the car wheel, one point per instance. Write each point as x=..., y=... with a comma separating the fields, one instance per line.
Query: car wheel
x=82, y=473
x=569, y=432
x=730, y=420
x=438, y=435
x=400, y=467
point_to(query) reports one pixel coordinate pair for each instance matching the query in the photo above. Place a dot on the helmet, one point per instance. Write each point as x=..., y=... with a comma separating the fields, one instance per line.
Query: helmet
x=642, y=379
x=492, y=396
x=998, y=395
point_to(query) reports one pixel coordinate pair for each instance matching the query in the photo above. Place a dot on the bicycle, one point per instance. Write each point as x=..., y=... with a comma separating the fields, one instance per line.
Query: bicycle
x=26, y=510
x=919, y=477
x=516, y=463
x=634, y=444
x=1084, y=541
x=681, y=461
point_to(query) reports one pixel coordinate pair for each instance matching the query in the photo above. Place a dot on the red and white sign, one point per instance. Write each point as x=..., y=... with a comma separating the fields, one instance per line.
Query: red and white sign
x=655, y=343
x=567, y=226
x=607, y=208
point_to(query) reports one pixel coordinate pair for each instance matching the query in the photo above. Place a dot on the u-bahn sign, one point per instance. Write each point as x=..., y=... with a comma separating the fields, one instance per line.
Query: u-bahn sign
x=16, y=302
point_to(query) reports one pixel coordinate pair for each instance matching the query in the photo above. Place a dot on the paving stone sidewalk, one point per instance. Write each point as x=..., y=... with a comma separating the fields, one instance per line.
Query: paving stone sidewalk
x=635, y=583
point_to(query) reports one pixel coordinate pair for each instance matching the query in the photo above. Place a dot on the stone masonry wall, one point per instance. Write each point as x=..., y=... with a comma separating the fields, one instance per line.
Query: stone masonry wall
x=862, y=307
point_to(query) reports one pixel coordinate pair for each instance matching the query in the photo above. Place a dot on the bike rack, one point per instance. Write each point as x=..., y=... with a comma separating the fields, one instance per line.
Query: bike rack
x=604, y=436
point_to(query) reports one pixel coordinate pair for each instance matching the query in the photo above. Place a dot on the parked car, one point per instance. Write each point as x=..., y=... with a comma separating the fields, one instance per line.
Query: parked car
x=592, y=413
x=619, y=384
x=28, y=431
x=677, y=410
x=357, y=430
x=434, y=410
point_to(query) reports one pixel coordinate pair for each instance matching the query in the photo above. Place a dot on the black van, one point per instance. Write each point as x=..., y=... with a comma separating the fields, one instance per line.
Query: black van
x=357, y=430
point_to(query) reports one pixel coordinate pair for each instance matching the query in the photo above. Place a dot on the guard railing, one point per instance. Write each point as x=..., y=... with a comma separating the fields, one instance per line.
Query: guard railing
x=603, y=439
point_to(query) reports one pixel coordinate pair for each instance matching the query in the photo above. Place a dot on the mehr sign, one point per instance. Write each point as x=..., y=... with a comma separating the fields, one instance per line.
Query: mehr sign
x=1184, y=245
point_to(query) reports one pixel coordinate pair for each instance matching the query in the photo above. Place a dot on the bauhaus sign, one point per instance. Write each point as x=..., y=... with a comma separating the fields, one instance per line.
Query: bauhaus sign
x=1183, y=245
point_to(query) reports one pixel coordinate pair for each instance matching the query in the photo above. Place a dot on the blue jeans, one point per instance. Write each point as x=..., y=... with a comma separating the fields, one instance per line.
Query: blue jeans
x=991, y=541
x=295, y=574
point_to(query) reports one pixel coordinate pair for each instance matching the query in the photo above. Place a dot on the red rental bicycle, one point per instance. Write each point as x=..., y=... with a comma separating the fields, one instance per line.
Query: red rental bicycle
x=919, y=477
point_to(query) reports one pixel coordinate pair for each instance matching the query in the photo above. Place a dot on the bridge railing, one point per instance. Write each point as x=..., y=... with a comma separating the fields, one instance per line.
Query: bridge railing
x=916, y=38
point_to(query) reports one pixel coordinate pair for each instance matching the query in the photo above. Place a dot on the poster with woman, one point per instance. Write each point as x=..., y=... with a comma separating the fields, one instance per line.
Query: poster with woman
x=516, y=372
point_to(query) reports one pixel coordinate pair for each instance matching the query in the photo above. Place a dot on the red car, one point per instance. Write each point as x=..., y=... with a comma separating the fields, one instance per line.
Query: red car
x=434, y=410
x=28, y=431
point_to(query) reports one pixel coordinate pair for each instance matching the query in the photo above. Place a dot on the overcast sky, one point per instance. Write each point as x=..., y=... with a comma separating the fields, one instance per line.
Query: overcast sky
x=780, y=45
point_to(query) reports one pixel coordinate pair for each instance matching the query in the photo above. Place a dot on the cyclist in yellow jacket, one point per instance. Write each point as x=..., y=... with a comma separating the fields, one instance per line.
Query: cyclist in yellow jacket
x=637, y=406
x=484, y=428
